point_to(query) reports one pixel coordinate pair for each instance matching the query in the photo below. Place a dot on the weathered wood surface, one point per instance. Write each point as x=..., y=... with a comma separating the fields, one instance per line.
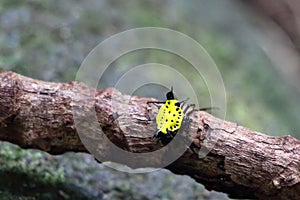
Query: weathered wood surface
x=241, y=162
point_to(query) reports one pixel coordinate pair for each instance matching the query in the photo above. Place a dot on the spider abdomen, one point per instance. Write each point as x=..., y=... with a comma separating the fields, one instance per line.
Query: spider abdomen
x=169, y=117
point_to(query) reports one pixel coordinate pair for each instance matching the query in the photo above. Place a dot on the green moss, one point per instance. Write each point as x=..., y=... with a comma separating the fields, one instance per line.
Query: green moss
x=31, y=174
x=31, y=163
x=27, y=171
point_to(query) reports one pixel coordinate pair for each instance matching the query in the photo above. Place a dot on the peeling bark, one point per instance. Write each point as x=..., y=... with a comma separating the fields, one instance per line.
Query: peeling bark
x=240, y=162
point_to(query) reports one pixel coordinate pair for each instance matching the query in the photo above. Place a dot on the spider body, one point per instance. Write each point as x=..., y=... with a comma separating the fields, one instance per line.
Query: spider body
x=170, y=117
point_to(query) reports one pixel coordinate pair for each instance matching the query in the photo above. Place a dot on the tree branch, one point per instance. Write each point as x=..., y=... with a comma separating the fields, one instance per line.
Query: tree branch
x=241, y=162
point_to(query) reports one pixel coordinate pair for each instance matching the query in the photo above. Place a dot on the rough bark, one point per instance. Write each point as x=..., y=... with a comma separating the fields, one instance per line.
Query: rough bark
x=241, y=162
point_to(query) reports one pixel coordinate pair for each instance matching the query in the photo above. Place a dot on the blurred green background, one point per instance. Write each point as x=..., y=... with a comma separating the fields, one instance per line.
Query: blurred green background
x=48, y=40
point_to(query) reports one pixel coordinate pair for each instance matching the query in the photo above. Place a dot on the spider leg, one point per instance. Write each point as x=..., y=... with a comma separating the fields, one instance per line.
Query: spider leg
x=193, y=147
x=188, y=113
x=162, y=102
x=169, y=133
x=156, y=134
x=182, y=103
x=190, y=145
x=208, y=108
x=157, y=106
x=185, y=125
x=156, y=103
